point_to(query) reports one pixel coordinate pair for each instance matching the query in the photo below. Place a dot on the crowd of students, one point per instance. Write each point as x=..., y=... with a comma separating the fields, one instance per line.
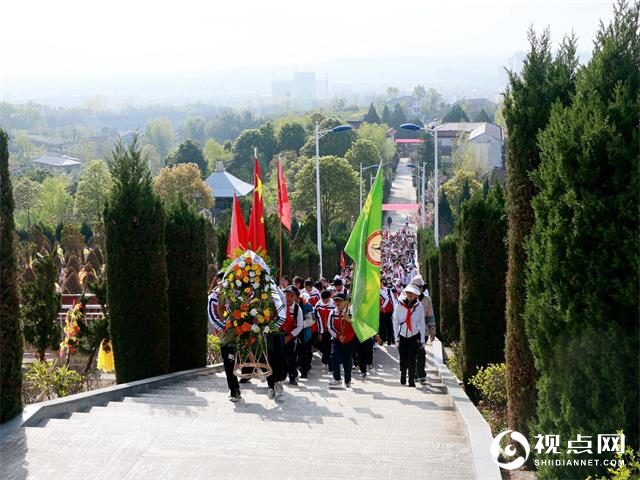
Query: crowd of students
x=318, y=317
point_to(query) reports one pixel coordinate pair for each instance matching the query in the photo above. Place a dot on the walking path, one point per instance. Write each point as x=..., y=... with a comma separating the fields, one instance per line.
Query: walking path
x=402, y=191
x=189, y=430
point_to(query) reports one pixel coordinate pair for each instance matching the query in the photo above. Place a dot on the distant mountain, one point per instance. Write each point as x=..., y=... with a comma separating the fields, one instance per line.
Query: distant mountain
x=455, y=77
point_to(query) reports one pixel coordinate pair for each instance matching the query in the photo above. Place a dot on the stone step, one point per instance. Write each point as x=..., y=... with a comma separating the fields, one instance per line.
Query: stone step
x=151, y=416
x=410, y=408
x=363, y=394
x=91, y=430
x=215, y=416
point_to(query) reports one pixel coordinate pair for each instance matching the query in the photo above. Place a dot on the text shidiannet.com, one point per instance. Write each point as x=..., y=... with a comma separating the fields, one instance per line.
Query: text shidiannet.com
x=591, y=462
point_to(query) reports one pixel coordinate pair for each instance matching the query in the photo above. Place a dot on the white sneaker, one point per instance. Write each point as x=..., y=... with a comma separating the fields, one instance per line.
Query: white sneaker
x=333, y=383
x=235, y=397
x=271, y=394
x=279, y=390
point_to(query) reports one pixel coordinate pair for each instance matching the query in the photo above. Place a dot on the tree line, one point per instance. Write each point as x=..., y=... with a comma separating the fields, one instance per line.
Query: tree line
x=544, y=275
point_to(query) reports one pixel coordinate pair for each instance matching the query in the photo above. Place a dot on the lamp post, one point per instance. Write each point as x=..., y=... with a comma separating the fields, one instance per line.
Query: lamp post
x=362, y=169
x=421, y=182
x=319, y=135
x=433, y=131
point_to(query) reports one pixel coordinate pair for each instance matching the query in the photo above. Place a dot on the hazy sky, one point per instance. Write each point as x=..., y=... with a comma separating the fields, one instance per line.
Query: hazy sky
x=63, y=38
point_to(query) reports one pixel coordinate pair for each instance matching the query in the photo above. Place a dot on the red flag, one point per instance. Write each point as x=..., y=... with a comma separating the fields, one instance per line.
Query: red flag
x=284, y=207
x=257, y=237
x=343, y=264
x=238, y=232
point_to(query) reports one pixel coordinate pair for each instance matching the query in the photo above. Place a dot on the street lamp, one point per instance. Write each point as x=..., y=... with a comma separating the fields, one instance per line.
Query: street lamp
x=319, y=135
x=433, y=131
x=421, y=181
x=362, y=169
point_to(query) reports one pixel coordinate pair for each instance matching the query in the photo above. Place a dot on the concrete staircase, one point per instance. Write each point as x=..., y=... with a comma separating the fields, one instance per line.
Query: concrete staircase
x=188, y=429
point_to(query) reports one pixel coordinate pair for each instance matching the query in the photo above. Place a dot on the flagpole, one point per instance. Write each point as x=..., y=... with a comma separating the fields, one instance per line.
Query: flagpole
x=279, y=219
x=280, y=241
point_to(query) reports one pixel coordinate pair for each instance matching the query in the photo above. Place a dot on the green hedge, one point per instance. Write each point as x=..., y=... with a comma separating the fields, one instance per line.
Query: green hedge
x=186, y=244
x=544, y=79
x=433, y=280
x=449, y=289
x=482, y=262
x=137, y=270
x=10, y=329
x=583, y=257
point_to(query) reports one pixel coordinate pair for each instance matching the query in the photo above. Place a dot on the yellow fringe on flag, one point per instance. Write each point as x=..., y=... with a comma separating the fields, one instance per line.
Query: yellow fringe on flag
x=105, y=357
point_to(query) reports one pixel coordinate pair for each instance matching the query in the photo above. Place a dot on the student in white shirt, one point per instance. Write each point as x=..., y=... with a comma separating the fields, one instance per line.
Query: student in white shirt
x=409, y=331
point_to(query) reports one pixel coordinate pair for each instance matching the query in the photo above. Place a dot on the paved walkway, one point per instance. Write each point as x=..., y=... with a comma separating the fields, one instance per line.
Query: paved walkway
x=402, y=191
x=378, y=429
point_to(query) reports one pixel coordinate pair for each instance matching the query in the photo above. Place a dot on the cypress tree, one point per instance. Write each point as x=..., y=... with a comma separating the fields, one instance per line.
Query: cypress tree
x=482, y=265
x=543, y=81
x=386, y=116
x=372, y=115
x=434, y=285
x=136, y=265
x=186, y=242
x=398, y=117
x=11, y=340
x=582, y=255
x=449, y=289
x=41, y=305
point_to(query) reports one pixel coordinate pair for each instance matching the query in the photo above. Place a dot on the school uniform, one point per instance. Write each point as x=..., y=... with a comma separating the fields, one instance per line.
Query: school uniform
x=387, y=304
x=324, y=337
x=342, y=343
x=312, y=296
x=364, y=353
x=342, y=289
x=409, y=329
x=430, y=323
x=292, y=326
x=306, y=338
x=227, y=346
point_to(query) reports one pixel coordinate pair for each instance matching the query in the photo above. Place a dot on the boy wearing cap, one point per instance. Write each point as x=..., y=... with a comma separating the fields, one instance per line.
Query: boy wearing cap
x=409, y=331
x=342, y=340
x=338, y=287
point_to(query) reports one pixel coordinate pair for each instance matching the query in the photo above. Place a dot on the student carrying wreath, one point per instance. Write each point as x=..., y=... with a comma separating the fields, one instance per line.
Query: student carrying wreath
x=227, y=344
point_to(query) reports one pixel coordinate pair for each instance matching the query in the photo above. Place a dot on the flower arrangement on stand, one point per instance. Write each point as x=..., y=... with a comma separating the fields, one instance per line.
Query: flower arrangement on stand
x=75, y=316
x=251, y=312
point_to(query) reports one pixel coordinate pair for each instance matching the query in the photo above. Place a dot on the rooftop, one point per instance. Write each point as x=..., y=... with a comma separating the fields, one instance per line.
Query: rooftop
x=224, y=185
x=473, y=128
x=57, y=160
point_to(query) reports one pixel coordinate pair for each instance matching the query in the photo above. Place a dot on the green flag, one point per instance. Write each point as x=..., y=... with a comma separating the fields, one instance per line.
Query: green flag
x=364, y=248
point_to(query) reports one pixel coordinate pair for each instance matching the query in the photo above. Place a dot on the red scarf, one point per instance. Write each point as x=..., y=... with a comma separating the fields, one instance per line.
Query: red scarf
x=408, y=318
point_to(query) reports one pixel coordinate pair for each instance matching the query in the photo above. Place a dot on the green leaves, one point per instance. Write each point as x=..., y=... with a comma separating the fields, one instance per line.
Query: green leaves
x=582, y=266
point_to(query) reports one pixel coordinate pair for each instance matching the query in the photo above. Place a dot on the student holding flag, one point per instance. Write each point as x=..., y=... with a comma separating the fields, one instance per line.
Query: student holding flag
x=363, y=247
